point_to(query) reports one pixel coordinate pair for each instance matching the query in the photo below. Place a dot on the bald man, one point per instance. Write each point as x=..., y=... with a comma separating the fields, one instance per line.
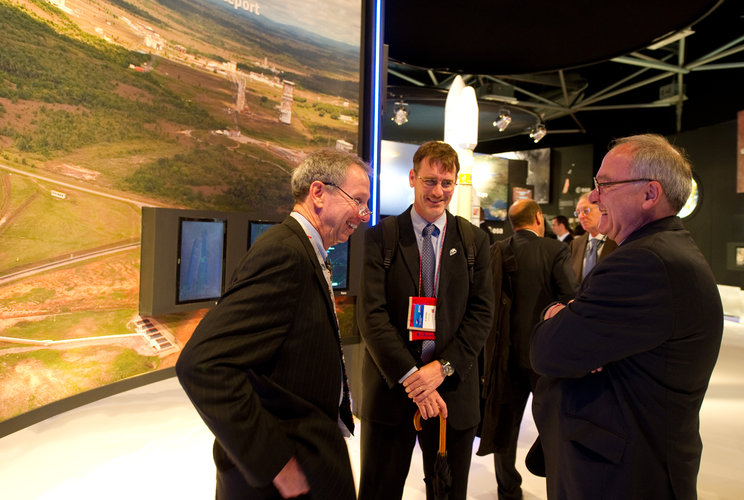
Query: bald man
x=542, y=275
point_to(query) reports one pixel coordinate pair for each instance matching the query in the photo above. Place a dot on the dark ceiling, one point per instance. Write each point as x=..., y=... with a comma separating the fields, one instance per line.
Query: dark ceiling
x=583, y=68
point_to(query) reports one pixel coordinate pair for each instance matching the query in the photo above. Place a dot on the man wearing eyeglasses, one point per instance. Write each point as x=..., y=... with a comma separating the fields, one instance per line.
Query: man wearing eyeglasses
x=432, y=370
x=592, y=246
x=264, y=367
x=625, y=366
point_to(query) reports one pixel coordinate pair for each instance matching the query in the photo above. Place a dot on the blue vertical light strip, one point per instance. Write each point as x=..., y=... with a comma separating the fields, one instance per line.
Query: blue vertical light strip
x=375, y=105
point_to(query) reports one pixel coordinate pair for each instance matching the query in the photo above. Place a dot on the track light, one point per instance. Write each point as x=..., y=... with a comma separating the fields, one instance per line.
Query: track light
x=504, y=120
x=400, y=113
x=538, y=132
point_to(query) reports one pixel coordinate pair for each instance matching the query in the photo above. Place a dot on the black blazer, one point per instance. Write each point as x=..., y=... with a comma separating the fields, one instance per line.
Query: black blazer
x=263, y=368
x=544, y=275
x=536, y=273
x=464, y=314
x=650, y=315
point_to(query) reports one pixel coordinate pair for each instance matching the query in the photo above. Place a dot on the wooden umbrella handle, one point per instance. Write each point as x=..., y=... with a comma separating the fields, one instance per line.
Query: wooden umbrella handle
x=442, y=430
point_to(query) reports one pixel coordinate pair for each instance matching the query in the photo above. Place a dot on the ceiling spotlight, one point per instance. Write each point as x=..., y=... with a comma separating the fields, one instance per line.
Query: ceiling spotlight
x=400, y=113
x=538, y=132
x=504, y=120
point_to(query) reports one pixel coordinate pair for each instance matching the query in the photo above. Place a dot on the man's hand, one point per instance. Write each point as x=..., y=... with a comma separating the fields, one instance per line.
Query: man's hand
x=424, y=381
x=554, y=309
x=432, y=406
x=291, y=481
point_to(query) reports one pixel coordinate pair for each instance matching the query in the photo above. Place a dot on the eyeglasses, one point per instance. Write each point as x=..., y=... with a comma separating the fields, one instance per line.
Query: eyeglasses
x=599, y=185
x=585, y=211
x=431, y=183
x=362, y=209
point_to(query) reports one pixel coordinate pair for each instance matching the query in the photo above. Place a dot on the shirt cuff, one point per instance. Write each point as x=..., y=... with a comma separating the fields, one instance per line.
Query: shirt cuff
x=408, y=374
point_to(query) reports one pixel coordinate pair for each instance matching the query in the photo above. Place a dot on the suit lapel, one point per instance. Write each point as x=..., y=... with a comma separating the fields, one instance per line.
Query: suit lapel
x=578, y=257
x=450, y=250
x=408, y=247
x=313, y=257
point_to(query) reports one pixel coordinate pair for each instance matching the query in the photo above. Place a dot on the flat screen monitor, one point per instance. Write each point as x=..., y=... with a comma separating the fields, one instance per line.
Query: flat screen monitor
x=338, y=256
x=256, y=229
x=201, y=259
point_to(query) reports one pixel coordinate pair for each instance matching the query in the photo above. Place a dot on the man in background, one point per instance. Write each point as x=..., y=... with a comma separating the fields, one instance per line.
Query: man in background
x=559, y=225
x=531, y=272
x=264, y=367
x=625, y=366
x=423, y=255
x=592, y=246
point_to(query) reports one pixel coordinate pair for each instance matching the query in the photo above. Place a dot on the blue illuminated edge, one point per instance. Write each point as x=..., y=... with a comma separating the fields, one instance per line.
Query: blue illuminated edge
x=375, y=105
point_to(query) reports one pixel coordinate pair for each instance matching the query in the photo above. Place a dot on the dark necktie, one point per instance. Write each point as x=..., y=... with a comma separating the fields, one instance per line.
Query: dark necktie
x=344, y=409
x=591, y=257
x=428, y=276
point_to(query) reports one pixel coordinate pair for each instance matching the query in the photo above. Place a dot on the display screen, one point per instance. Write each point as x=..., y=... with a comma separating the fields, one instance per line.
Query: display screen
x=257, y=228
x=201, y=259
x=338, y=256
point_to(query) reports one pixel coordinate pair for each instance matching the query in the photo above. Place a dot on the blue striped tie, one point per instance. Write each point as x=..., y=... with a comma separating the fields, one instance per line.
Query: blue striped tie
x=428, y=275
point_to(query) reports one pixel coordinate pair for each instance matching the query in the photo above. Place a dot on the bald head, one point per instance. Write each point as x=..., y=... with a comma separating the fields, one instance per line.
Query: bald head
x=526, y=214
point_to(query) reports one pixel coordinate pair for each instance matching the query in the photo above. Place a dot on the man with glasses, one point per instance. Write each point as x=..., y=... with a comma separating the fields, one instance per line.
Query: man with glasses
x=432, y=369
x=264, y=367
x=625, y=366
x=592, y=246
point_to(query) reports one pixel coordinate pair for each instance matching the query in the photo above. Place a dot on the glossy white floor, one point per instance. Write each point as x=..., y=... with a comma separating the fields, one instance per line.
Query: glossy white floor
x=149, y=443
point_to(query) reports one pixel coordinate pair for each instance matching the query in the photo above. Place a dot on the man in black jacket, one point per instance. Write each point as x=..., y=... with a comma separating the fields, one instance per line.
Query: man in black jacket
x=398, y=375
x=624, y=367
x=264, y=367
x=536, y=271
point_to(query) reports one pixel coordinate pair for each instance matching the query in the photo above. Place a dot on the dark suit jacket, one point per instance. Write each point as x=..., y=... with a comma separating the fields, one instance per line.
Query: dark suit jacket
x=263, y=368
x=578, y=248
x=568, y=239
x=463, y=320
x=542, y=274
x=650, y=315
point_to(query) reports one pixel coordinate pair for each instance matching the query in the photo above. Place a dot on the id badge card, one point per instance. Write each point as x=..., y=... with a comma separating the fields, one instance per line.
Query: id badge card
x=422, y=318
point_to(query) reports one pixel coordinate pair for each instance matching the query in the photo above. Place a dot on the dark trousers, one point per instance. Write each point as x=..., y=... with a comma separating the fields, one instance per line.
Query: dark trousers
x=522, y=382
x=386, y=457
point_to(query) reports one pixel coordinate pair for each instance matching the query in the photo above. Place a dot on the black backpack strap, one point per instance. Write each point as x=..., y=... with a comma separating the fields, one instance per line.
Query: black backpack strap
x=466, y=234
x=389, y=240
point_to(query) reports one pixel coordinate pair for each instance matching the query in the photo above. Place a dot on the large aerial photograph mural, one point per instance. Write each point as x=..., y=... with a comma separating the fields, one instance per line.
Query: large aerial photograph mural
x=109, y=106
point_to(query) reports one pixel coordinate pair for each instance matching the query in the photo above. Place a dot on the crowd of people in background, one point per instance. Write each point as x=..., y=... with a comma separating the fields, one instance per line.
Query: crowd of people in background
x=614, y=332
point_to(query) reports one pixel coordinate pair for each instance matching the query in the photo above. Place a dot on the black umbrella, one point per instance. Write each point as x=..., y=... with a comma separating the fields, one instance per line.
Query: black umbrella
x=441, y=483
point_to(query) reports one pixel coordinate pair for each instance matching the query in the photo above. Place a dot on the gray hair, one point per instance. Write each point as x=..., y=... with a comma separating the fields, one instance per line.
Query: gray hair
x=653, y=157
x=325, y=165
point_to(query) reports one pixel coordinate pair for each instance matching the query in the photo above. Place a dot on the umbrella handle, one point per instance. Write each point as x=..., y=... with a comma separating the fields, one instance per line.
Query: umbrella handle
x=442, y=430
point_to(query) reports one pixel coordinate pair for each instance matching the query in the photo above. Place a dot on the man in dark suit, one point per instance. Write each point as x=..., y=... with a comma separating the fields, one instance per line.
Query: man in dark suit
x=560, y=228
x=581, y=246
x=539, y=275
x=264, y=367
x=401, y=375
x=625, y=366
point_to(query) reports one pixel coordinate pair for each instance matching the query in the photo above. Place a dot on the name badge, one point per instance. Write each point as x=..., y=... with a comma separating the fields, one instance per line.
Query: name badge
x=422, y=318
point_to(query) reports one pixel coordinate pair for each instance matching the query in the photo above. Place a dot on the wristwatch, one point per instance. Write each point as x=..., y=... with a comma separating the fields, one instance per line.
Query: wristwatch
x=447, y=367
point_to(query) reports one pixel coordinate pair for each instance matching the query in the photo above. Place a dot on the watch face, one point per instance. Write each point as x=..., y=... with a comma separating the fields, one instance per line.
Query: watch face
x=447, y=367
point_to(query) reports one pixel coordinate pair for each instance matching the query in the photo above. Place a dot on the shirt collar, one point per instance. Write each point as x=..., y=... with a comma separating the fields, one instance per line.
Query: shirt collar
x=419, y=223
x=313, y=234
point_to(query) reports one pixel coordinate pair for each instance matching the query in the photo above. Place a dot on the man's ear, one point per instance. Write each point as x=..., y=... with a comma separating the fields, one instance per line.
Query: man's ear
x=653, y=195
x=412, y=177
x=317, y=194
